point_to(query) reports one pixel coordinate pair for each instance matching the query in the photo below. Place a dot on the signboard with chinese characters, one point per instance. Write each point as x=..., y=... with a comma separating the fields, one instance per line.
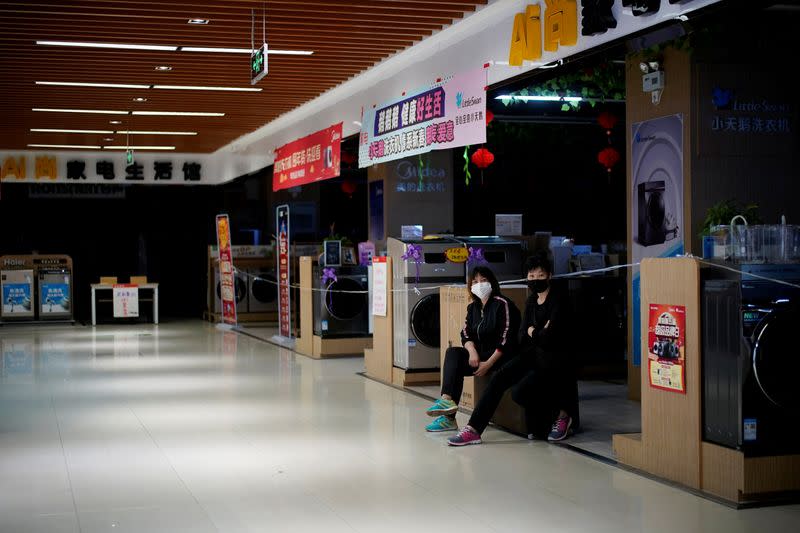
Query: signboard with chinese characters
x=315, y=157
x=54, y=297
x=126, y=301
x=449, y=114
x=379, y=286
x=17, y=289
x=666, y=341
x=284, y=270
x=226, y=276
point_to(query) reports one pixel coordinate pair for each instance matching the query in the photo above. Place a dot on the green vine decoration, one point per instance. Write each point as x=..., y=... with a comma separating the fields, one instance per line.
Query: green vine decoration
x=467, y=175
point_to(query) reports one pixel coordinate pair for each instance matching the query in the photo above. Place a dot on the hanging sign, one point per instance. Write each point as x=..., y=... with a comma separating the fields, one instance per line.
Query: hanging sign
x=379, y=286
x=227, y=291
x=284, y=297
x=666, y=342
x=258, y=64
x=126, y=301
x=315, y=157
x=449, y=114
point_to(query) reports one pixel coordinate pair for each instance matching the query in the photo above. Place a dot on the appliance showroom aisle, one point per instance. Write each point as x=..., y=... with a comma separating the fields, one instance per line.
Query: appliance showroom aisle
x=183, y=427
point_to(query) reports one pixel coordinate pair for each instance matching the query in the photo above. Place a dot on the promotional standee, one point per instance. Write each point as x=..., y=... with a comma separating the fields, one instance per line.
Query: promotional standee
x=284, y=314
x=667, y=347
x=226, y=270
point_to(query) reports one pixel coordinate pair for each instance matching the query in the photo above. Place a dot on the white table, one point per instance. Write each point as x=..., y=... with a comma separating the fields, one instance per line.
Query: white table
x=109, y=287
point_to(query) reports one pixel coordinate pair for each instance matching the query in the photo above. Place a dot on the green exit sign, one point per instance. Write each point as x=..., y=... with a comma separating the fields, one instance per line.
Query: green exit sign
x=258, y=64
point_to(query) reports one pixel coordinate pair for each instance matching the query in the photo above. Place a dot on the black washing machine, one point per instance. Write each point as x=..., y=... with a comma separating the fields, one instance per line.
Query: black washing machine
x=751, y=361
x=341, y=308
x=263, y=290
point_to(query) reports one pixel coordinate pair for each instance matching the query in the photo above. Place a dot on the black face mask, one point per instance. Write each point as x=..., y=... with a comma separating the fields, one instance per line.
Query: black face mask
x=538, y=285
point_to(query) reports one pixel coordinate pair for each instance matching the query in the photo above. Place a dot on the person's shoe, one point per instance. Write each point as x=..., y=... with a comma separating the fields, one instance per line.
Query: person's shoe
x=466, y=436
x=442, y=407
x=560, y=430
x=442, y=423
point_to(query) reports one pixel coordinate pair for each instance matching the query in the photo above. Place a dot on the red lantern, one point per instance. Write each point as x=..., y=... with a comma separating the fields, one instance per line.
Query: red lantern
x=608, y=157
x=348, y=158
x=489, y=117
x=482, y=158
x=349, y=187
x=607, y=121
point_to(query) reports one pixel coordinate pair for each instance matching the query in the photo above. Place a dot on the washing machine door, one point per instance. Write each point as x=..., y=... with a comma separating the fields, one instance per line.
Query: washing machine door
x=775, y=361
x=264, y=288
x=345, y=299
x=240, y=288
x=425, y=324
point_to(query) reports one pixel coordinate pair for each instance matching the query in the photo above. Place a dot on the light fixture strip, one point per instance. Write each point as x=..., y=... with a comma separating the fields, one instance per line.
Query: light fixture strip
x=129, y=86
x=123, y=132
x=119, y=46
x=92, y=111
x=54, y=130
x=204, y=88
x=177, y=114
x=79, y=146
x=125, y=147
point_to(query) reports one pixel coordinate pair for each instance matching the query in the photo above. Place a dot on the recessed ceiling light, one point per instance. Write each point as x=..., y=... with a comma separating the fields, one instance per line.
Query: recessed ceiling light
x=86, y=84
x=140, y=99
x=115, y=122
x=121, y=132
x=138, y=147
x=53, y=130
x=204, y=88
x=64, y=146
x=163, y=68
x=94, y=111
x=109, y=139
x=178, y=113
x=122, y=46
x=198, y=21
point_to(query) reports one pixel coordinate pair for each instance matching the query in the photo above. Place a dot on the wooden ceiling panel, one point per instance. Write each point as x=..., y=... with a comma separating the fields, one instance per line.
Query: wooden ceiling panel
x=347, y=38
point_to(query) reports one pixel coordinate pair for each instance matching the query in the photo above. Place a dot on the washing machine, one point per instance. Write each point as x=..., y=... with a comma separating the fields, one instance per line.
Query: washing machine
x=503, y=256
x=263, y=290
x=16, y=287
x=240, y=288
x=751, y=398
x=416, y=315
x=341, y=308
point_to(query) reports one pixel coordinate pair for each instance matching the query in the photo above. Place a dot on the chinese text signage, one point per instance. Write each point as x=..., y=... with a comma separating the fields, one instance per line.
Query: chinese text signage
x=313, y=158
x=226, y=281
x=449, y=115
x=666, y=341
x=126, y=301
x=284, y=302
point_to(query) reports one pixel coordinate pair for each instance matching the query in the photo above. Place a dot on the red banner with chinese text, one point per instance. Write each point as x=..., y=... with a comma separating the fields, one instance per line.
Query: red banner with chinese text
x=226, y=279
x=315, y=157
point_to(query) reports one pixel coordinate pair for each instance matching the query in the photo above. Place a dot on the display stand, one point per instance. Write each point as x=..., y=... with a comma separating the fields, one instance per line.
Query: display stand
x=670, y=445
x=378, y=359
x=312, y=345
x=454, y=301
x=46, y=272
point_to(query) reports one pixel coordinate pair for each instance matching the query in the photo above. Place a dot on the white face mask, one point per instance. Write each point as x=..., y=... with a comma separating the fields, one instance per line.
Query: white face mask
x=482, y=290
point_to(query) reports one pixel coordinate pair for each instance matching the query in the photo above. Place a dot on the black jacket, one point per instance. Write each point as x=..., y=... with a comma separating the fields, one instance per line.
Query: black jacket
x=551, y=324
x=492, y=327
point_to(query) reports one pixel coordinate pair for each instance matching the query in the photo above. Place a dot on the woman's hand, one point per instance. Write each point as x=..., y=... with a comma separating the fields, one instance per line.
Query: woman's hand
x=474, y=359
x=530, y=331
x=483, y=368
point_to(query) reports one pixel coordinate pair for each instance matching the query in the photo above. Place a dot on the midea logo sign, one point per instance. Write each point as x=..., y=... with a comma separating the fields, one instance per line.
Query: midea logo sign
x=406, y=170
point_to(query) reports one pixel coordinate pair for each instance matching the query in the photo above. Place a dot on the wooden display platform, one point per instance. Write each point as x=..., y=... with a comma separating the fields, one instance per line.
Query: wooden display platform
x=670, y=446
x=243, y=317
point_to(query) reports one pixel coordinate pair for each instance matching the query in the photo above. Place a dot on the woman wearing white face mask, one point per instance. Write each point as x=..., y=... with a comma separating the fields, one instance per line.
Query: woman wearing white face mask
x=489, y=340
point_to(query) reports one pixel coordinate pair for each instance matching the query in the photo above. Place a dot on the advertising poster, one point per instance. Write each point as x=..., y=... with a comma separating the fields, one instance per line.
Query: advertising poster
x=666, y=345
x=284, y=282
x=54, y=297
x=449, y=114
x=226, y=276
x=315, y=157
x=16, y=299
x=126, y=301
x=379, y=287
x=656, y=199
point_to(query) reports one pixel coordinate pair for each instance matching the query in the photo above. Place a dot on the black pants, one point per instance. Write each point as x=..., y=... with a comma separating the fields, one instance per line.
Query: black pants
x=456, y=368
x=517, y=372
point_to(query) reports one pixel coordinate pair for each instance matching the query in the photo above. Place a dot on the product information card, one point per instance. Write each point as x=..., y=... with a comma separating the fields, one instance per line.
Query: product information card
x=667, y=347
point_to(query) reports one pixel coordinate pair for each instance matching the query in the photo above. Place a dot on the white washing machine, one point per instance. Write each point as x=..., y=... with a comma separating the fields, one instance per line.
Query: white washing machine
x=240, y=289
x=16, y=287
x=416, y=316
x=263, y=290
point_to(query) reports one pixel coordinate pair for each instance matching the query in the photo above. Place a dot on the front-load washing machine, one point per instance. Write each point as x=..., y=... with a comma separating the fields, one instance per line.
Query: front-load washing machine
x=341, y=308
x=751, y=400
x=416, y=313
x=263, y=290
x=17, y=290
x=502, y=255
x=240, y=289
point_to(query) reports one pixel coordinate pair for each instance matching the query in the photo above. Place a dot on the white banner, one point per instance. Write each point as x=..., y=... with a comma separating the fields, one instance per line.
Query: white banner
x=379, y=292
x=126, y=301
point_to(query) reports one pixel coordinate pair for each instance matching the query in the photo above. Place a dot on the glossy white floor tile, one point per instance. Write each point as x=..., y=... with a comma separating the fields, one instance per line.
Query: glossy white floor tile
x=182, y=427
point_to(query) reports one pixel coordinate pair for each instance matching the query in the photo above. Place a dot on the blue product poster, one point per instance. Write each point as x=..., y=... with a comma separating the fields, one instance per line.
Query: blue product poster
x=54, y=298
x=16, y=298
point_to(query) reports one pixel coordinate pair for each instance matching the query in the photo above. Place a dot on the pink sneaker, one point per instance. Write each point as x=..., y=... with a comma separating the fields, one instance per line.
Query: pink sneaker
x=560, y=429
x=464, y=437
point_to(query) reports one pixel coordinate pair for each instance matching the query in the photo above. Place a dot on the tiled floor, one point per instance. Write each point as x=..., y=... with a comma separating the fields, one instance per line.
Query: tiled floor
x=183, y=427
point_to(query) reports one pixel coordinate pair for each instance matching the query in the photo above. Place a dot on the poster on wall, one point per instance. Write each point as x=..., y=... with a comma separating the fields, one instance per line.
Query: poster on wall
x=17, y=293
x=226, y=276
x=666, y=346
x=656, y=200
x=284, y=278
x=379, y=288
x=315, y=157
x=54, y=297
x=449, y=114
x=126, y=301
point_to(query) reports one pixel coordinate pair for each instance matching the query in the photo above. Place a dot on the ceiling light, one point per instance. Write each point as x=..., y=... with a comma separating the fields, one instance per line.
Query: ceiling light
x=115, y=122
x=290, y=52
x=110, y=45
x=109, y=139
x=163, y=68
x=203, y=88
x=156, y=132
x=138, y=147
x=94, y=111
x=243, y=51
x=51, y=130
x=178, y=114
x=198, y=21
x=83, y=84
x=140, y=99
x=63, y=146
x=540, y=98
